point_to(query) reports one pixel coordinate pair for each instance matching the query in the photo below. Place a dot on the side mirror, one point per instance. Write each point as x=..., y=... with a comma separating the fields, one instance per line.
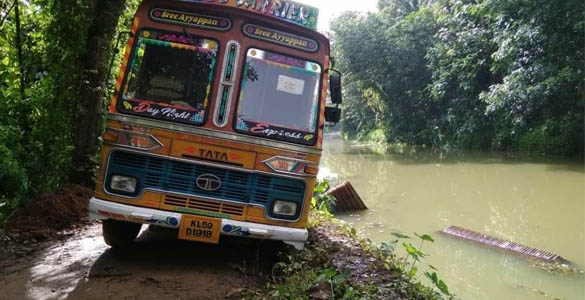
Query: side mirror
x=335, y=87
x=332, y=114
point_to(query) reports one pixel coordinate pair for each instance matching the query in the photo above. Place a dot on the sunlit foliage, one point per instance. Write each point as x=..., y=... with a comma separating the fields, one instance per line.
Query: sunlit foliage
x=491, y=74
x=37, y=131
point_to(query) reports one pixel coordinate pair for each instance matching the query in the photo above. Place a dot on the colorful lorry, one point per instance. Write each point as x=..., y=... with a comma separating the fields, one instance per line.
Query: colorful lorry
x=216, y=123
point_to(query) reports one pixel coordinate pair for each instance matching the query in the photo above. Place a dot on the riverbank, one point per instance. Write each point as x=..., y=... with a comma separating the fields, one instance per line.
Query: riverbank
x=376, y=144
x=377, y=141
x=338, y=264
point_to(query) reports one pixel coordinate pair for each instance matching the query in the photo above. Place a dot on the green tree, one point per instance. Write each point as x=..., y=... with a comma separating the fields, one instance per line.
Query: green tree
x=48, y=136
x=489, y=74
x=460, y=60
x=385, y=55
x=540, y=58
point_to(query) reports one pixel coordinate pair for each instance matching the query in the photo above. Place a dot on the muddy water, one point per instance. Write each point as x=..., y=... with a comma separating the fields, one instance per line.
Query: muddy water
x=539, y=203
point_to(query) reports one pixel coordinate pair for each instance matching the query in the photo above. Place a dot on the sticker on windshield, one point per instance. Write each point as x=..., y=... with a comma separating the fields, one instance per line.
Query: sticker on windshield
x=290, y=85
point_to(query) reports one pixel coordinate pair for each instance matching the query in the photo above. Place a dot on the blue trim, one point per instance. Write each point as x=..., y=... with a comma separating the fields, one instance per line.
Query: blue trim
x=175, y=176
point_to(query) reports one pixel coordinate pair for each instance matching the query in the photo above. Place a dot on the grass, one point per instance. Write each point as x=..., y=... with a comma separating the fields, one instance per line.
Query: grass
x=338, y=264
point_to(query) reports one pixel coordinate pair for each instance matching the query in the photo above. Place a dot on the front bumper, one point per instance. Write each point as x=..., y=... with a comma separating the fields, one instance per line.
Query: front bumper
x=101, y=210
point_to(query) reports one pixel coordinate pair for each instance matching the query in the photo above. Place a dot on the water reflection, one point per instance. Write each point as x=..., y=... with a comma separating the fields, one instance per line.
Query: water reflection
x=537, y=202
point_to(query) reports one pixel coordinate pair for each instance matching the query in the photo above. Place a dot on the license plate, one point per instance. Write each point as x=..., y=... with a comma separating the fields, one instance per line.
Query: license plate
x=201, y=229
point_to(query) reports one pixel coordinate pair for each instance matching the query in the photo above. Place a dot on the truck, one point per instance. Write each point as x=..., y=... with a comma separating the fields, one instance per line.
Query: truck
x=215, y=126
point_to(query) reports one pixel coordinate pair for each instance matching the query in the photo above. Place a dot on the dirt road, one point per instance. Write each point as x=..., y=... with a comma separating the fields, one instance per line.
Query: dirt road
x=82, y=266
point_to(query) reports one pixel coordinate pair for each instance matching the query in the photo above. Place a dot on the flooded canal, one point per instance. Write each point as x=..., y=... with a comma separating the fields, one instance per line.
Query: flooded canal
x=536, y=202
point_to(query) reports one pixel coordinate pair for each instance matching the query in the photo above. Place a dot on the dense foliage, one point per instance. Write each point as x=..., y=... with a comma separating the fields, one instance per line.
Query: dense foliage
x=45, y=90
x=488, y=74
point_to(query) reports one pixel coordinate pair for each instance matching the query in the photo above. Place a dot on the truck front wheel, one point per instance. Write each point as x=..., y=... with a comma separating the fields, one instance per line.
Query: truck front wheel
x=120, y=234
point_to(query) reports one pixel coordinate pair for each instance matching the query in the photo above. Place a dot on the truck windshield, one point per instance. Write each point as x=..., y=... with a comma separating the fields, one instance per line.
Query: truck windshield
x=170, y=77
x=279, y=97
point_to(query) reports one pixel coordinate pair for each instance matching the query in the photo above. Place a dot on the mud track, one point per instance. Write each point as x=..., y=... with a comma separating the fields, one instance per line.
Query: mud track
x=82, y=266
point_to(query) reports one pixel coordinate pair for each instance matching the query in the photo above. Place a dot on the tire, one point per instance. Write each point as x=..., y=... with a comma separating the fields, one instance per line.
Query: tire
x=120, y=234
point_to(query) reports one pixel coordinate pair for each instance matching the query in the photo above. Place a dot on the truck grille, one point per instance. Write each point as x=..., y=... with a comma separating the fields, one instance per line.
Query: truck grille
x=179, y=177
x=206, y=205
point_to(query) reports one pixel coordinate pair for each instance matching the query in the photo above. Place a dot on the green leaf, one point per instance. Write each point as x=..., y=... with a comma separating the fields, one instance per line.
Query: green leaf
x=330, y=273
x=440, y=284
x=400, y=235
x=433, y=277
x=6, y=61
x=326, y=275
x=443, y=287
x=413, y=252
x=409, y=248
x=387, y=247
x=425, y=237
x=412, y=272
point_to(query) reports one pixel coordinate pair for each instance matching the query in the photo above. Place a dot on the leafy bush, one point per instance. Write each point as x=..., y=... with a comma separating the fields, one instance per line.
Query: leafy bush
x=322, y=201
x=13, y=178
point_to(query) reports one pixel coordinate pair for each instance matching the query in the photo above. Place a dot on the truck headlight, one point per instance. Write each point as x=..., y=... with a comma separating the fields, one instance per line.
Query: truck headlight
x=284, y=208
x=123, y=183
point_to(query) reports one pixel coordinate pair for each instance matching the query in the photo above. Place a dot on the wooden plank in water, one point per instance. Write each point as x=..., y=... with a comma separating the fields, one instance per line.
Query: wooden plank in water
x=510, y=246
x=347, y=198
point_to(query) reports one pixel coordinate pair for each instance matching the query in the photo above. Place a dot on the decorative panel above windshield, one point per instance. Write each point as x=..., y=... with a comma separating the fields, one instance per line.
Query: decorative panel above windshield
x=279, y=97
x=170, y=77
